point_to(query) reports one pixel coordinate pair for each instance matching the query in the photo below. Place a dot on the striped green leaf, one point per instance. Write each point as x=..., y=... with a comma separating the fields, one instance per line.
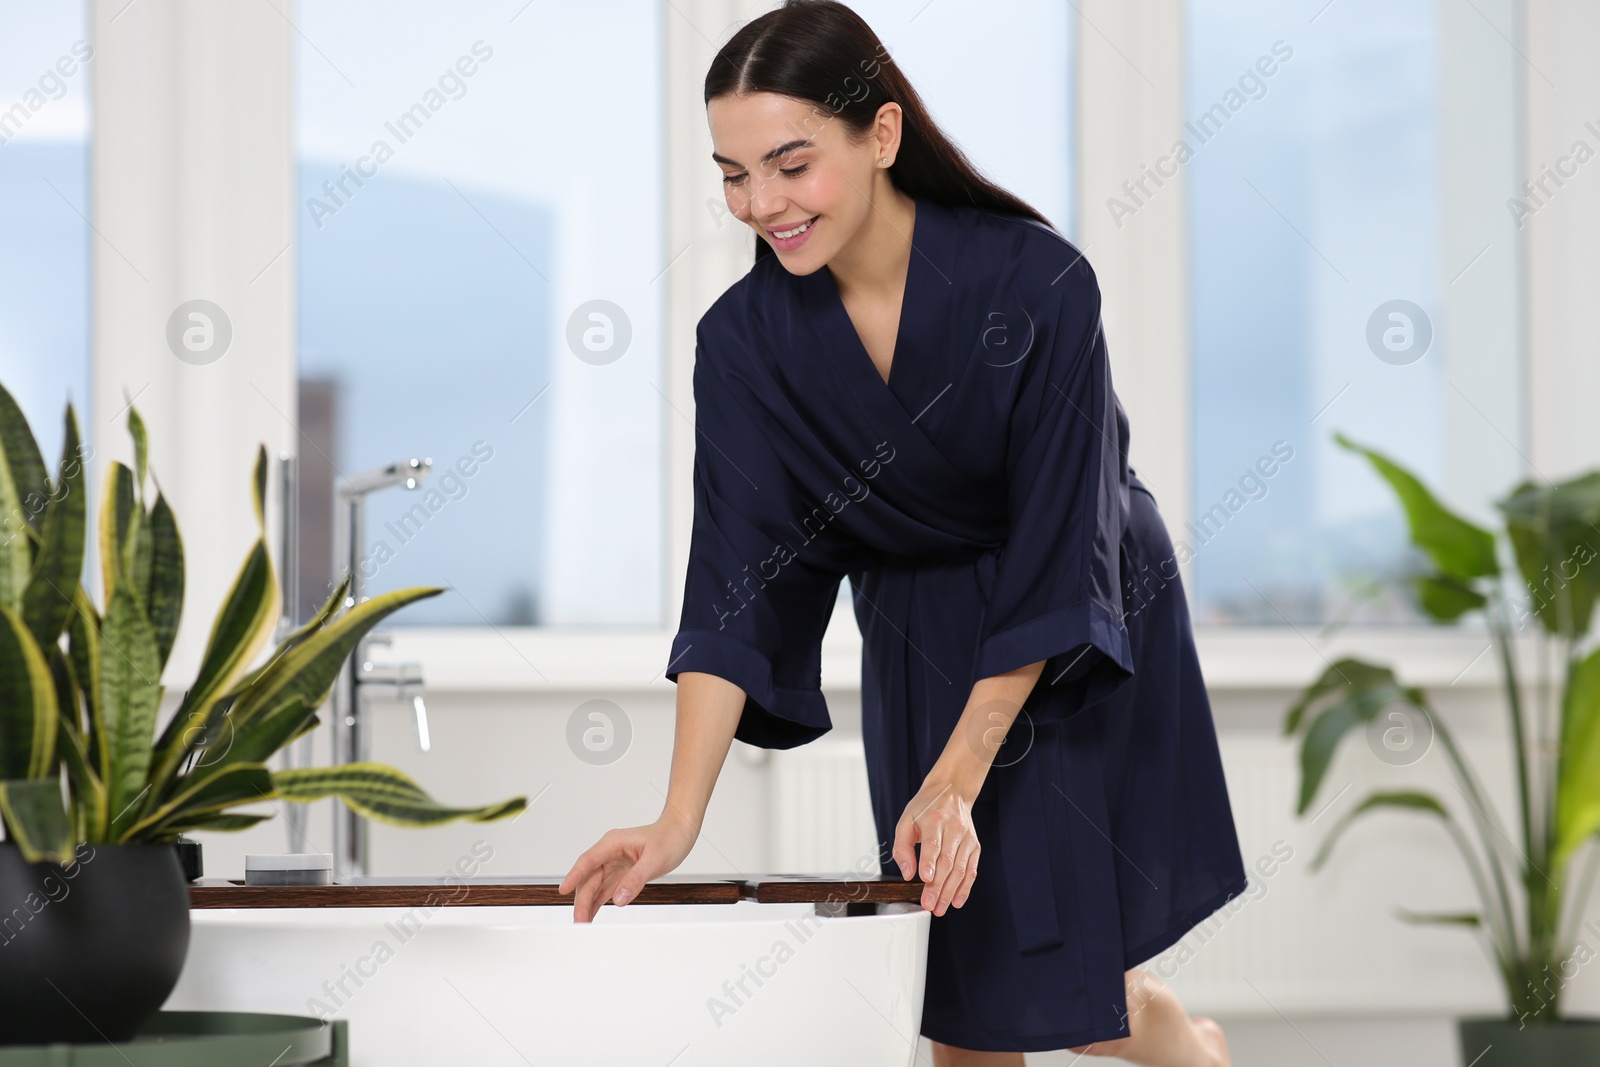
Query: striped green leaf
x=130, y=693
x=258, y=739
x=36, y=820
x=163, y=597
x=307, y=672
x=210, y=794
x=270, y=707
x=118, y=526
x=88, y=792
x=27, y=703
x=23, y=461
x=292, y=640
x=83, y=651
x=141, y=450
x=16, y=552
x=219, y=822
x=47, y=600
x=240, y=630
x=258, y=488
x=383, y=793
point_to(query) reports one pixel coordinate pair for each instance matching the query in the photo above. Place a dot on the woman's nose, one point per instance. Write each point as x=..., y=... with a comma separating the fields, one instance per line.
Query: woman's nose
x=766, y=201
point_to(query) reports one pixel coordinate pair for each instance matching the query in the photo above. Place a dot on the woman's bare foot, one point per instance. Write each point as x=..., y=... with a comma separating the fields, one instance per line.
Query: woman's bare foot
x=1212, y=1040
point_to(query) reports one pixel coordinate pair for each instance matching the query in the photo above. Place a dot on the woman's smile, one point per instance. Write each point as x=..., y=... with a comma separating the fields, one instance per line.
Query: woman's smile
x=788, y=237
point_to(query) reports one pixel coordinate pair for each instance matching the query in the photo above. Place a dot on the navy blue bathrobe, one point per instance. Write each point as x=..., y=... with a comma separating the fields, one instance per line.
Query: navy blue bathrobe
x=982, y=506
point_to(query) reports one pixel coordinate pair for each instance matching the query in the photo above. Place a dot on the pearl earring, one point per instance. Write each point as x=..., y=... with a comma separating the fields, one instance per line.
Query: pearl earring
x=886, y=161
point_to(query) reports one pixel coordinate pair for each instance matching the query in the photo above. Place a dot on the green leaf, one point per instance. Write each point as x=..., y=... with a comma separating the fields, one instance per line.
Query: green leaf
x=208, y=794
x=47, y=600
x=83, y=650
x=382, y=793
x=36, y=820
x=1554, y=536
x=87, y=799
x=214, y=822
x=242, y=627
x=118, y=518
x=1409, y=799
x=1445, y=599
x=293, y=640
x=24, y=462
x=1461, y=549
x=1350, y=693
x=27, y=703
x=141, y=449
x=258, y=494
x=295, y=680
x=1470, y=918
x=164, y=591
x=88, y=792
x=16, y=552
x=311, y=723
x=141, y=558
x=256, y=740
x=1578, y=774
x=307, y=672
x=130, y=694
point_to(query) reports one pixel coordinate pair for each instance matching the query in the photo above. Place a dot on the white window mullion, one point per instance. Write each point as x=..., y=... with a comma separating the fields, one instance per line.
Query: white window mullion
x=192, y=198
x=1560, y=84
x=1130, y=98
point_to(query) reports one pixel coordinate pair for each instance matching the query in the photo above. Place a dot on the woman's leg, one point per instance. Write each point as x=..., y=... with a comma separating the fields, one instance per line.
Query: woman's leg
x=951, y=1056
x=1161, y=1033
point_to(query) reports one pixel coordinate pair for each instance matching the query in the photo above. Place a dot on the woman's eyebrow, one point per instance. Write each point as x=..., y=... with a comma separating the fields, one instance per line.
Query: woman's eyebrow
x=788, y=146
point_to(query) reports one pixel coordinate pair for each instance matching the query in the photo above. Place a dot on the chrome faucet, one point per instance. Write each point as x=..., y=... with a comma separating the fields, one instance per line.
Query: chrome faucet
x=395, y=681
x=298, y=754
x=360, y=676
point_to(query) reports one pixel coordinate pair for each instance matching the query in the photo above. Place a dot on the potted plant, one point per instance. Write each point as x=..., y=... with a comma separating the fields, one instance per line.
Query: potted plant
x=94, y=909
x=1522, y=874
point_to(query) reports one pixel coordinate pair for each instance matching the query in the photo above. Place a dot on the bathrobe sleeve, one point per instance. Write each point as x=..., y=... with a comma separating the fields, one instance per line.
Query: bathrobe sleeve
x=758, y=593
x=1057, y=586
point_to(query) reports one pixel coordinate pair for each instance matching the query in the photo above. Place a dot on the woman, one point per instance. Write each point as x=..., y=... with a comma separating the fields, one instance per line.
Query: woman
x=910, y=388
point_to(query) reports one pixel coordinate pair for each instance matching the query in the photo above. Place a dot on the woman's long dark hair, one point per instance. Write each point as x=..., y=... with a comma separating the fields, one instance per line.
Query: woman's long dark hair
x=823, y=52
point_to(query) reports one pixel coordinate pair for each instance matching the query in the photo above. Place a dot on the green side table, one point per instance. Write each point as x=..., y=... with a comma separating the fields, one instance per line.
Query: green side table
x=204, y=1039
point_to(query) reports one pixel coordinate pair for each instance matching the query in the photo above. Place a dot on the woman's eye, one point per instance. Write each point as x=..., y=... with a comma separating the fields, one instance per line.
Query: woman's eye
x=738, y=179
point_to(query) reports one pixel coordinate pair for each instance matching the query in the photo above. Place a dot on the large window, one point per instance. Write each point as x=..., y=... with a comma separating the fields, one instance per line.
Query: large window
x=1351, y=270
x=46, y=62
x=481, y=268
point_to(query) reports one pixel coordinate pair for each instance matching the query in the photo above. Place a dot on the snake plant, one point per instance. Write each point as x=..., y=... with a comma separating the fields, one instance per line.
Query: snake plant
x=1529, y=908
x=81, y=759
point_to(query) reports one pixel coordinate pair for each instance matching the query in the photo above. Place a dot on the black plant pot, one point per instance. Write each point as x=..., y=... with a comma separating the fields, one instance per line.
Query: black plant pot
x=1498, y=1041
x=89, y=952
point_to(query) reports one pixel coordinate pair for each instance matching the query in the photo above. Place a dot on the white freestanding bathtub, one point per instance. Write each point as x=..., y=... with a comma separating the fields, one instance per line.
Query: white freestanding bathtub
x=647, y=985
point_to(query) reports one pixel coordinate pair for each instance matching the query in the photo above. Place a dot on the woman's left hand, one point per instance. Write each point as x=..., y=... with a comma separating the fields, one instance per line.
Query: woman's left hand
x=940, y=818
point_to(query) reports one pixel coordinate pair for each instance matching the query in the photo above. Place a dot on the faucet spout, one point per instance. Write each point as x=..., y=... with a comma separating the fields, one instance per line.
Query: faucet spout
x=351, y=742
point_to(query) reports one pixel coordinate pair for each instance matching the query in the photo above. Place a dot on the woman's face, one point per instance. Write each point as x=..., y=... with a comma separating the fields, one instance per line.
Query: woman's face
x=786, y=163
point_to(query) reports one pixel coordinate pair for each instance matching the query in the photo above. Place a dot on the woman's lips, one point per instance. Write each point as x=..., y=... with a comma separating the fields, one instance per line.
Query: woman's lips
x=789, y=244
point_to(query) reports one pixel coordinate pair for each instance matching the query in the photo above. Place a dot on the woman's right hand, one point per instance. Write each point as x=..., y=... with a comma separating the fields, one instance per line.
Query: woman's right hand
x=617, y=867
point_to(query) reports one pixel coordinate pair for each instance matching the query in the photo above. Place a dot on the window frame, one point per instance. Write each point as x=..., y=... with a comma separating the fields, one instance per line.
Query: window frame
x=157, y=117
